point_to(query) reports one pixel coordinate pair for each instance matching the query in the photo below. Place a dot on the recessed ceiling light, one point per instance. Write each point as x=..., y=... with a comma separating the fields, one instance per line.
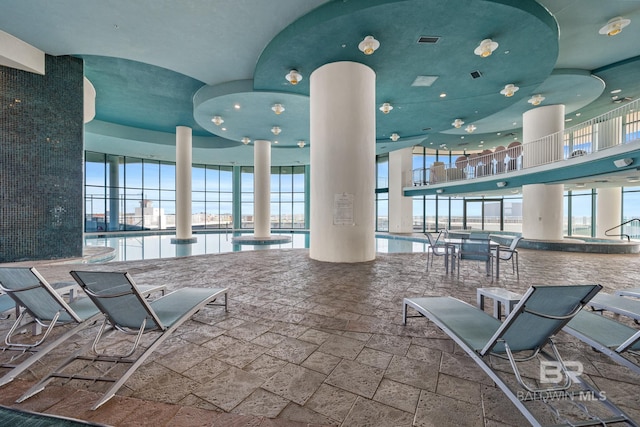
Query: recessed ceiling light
x=567, y=120
x=442, y=95
x=223, y=129
x=236, y=106
x=616, y=91
x=578, y=114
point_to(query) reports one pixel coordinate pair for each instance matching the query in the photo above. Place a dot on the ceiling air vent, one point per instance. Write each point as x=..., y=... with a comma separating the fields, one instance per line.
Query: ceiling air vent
x=476, y=74
x=428, y=39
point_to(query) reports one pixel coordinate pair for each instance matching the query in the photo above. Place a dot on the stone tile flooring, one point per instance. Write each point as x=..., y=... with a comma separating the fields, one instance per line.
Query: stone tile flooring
x=312, y=343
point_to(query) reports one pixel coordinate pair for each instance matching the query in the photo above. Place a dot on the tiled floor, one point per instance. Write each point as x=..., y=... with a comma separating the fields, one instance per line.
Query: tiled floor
x=312, y=343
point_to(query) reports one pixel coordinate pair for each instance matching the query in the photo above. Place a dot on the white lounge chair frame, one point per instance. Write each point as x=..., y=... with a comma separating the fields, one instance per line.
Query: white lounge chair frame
x=529, y=328
x=126, y=310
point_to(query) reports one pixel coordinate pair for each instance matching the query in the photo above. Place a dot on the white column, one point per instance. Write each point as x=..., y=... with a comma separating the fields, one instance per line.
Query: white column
x=542, y=122
x=608, y=210
x=400, y=206
x=542, y=205
x=183, y=183
x=262, y=189
x=342, y=144
x=542, y=211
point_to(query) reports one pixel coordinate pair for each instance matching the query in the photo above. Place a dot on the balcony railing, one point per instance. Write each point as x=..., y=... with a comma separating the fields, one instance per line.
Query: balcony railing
x=618, y=126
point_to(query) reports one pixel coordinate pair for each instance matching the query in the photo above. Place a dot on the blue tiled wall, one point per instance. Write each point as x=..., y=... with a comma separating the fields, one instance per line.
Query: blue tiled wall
x=41, y=149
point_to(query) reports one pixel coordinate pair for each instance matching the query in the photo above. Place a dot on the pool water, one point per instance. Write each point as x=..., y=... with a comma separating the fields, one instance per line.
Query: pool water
x=154, y=246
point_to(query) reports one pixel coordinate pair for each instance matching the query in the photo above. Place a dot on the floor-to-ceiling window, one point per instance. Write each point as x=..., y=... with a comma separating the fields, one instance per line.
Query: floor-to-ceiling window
x=287, y=197
x=128, y=193
x=631, y=212
x=246, y=197
x=382, y=193
x=581, y=208
x=212, y=196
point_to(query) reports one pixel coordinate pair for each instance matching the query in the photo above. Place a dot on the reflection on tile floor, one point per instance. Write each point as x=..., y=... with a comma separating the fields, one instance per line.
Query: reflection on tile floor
x=312, y=343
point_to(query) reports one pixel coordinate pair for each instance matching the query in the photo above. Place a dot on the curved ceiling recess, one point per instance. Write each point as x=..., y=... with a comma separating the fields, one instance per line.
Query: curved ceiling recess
x=333, y=31
x=245, y=113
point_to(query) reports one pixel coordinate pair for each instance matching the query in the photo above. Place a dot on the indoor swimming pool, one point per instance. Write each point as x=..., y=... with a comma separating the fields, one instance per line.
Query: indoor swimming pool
x=154, y=246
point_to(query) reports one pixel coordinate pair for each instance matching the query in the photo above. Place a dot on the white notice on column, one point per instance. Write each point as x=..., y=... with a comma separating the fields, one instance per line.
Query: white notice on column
x=343, y=209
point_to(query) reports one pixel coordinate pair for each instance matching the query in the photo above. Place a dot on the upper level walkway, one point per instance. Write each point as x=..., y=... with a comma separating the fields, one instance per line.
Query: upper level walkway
x=607, y=144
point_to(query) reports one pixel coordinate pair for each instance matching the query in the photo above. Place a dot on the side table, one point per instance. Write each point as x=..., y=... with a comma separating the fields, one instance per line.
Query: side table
x=500, y=297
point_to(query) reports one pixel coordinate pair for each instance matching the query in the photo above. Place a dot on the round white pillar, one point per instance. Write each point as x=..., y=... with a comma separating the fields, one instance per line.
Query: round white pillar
x=608, y=210
x=542, y=211
x=541, y=122
x=400, y=206
x=183, y=184
x=262, y=189
x=342, y=144
x=542, y=205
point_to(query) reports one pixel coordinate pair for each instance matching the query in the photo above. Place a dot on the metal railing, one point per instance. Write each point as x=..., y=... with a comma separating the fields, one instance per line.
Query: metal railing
x=607, y=232
x=616, y=127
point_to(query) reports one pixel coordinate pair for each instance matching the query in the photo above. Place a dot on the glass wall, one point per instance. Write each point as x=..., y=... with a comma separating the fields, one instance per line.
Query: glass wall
x=212, y=196
x=246, y=197
x=581, y=209
x=129, y=194
x=287, y=197
x=631, y=212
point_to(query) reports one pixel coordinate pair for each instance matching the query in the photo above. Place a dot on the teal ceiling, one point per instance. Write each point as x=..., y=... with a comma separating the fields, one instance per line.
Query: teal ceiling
x=157, y=64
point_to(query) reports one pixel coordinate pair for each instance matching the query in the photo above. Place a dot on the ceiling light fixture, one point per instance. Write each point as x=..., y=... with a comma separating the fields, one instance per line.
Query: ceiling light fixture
x=470, y=128
x=536, y=99
x=301, y=144
x=509, y=90
x=277, y=108
x=245, y=140
x=386, y=107
x=236, y=106
x=369, y=45
x=276, y=130
x=614, y=26
x=394, y=137
x=293, y=77
x=457, y=123
x=217, y=120
x=486, y=48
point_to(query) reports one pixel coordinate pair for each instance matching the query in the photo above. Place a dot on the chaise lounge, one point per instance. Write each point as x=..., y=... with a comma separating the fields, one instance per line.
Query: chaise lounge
x=525, y=334
x=40, y=301
x=127, y=311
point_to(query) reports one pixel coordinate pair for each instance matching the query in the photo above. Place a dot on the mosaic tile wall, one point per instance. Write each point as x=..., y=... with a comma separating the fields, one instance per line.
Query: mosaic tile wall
x=41, y=149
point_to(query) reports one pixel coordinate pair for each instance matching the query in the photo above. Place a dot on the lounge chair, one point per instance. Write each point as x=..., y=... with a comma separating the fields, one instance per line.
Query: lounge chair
x=607, y=336
x=126, y=310
x=47, y=309
x=6, y=305
x=633, y=292
x=540, y=314
x=617, y=304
